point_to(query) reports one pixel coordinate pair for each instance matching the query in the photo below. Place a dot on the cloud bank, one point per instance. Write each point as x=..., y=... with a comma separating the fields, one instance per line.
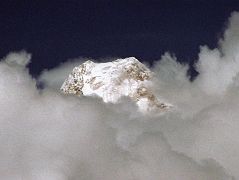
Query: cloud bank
x=45, y=135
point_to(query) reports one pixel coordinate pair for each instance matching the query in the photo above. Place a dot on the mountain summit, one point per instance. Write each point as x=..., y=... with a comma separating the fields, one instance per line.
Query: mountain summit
x=113, y=80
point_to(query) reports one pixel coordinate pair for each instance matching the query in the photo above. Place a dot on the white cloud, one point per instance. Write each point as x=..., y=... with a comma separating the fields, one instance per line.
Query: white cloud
x=45, y=135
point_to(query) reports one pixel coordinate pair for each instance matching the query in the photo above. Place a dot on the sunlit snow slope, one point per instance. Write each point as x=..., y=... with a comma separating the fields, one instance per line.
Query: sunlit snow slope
x=113, y=80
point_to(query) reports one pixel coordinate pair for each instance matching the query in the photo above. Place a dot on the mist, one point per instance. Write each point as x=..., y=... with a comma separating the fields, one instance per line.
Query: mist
x=46, y=135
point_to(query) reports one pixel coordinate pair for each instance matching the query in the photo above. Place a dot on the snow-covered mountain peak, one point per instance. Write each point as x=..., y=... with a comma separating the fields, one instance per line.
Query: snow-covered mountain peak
x=113, y=80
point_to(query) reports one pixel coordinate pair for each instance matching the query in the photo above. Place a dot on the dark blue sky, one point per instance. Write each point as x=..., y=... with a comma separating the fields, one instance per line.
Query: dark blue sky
x=54, y=31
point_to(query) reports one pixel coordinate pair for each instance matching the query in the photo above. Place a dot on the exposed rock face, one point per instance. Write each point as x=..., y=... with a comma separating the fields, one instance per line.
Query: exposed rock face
x=112, y=80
